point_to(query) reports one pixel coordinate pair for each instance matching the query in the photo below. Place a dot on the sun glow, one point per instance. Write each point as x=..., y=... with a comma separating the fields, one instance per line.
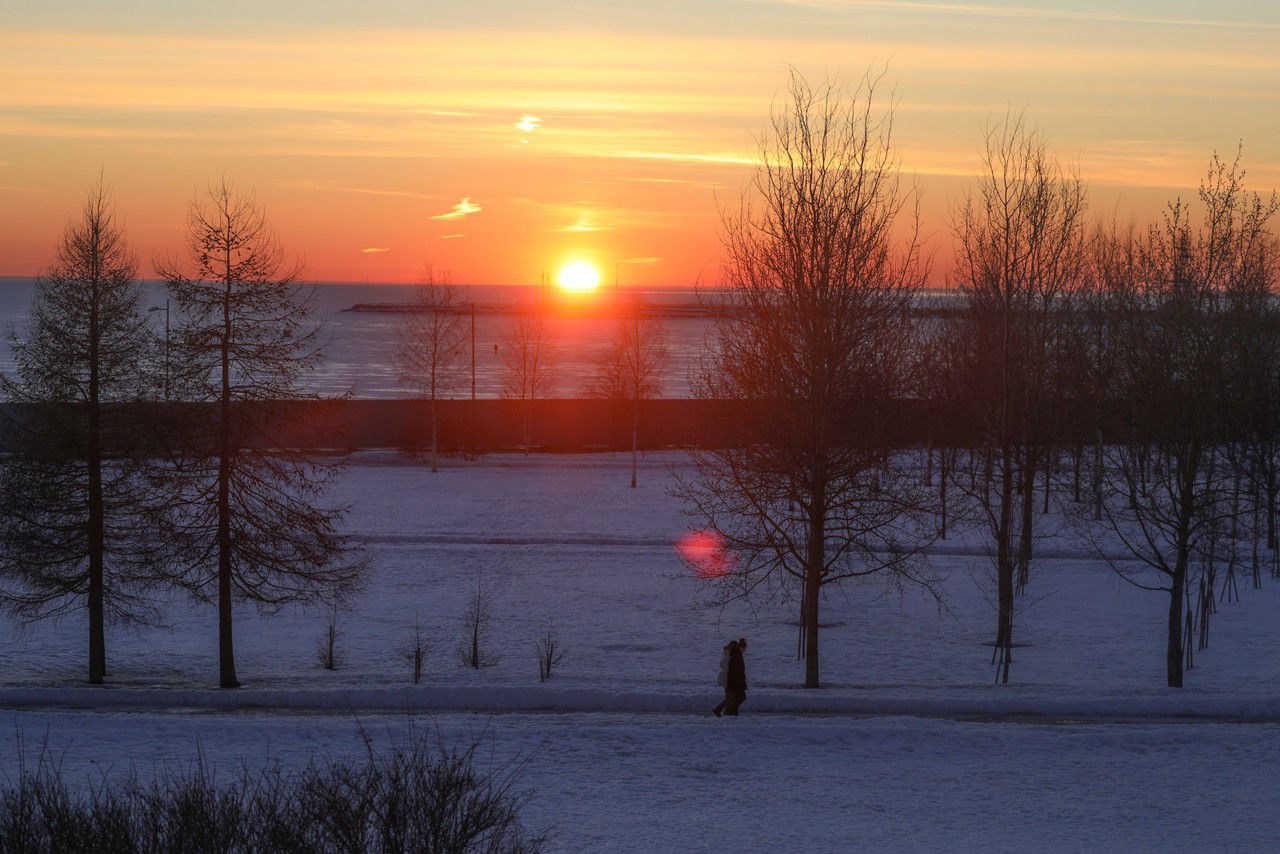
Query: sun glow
x=579, y=277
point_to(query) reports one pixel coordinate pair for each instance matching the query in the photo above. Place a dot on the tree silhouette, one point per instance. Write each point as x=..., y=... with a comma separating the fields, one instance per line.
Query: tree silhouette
x=257, y=525
x=432, y=340
x=528, y=367
x=627, y=370
x=813, y=332
x=82, y=520
x=1021, y=246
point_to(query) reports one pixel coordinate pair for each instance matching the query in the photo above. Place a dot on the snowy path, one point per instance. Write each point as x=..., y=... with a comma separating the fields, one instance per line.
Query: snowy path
x=648, y=783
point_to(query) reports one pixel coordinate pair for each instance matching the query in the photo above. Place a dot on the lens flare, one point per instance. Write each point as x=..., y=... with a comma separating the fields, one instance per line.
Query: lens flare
x=705, y=554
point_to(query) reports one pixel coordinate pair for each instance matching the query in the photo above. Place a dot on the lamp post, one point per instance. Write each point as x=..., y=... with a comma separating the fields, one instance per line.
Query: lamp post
x=471, y=307
x=165, y=309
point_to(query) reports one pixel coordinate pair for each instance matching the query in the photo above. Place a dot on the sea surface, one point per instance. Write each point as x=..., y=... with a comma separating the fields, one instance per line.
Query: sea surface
x=361, y=346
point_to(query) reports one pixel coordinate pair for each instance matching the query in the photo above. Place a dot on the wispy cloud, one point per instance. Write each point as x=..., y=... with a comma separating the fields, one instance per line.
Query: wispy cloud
x=586, y=222
x=451, y=236
x=734, y=159
x=1063, y=14
x=710, y=185
x=649, y=260
x=528, y=123
x=461, y=209
x=374, y=250
x=303, y=184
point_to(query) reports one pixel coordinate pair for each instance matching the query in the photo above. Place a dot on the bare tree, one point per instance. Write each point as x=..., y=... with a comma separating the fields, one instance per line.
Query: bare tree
x=629, y=368
x=528, y=367
x=432, y=343
x=1020, y=235
x=812, y=334
x=328, y=655
x=82, y=521
x=474, y=650
x=549, y=649
x=1198, y=285
x=258, y=526
x=414, y=650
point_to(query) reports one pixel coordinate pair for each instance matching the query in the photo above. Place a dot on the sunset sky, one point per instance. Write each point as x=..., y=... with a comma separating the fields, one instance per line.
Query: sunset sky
x=502, y=139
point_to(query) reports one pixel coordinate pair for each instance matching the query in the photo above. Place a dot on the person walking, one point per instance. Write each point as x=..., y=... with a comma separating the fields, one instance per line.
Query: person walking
x=723, y=681
x=735, y=685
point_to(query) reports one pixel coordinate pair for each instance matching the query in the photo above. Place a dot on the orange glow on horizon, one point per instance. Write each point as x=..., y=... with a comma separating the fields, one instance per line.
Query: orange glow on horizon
x=378, y=143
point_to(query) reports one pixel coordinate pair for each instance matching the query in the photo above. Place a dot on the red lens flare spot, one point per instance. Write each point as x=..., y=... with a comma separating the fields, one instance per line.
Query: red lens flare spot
x=705, y=553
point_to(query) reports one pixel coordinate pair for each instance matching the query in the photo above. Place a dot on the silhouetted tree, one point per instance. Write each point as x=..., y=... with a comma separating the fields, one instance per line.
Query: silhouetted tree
x=812, y=333
x=81, y=519
x=1196, y=301
x=528, y=367
x=1020, y=235
x=629, y=368
x=474, y=650
x=432, y=343
x=258, y=527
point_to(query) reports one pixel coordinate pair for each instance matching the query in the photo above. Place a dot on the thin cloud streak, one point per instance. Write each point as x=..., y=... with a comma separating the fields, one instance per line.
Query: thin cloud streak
x=461, y=209
x=1023, y=13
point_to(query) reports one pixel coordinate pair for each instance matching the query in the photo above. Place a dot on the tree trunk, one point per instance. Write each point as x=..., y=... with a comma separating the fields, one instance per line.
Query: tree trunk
x=96, y=532
x=1271, y=513
x=811, y=587
x=226, y=649
x=635, y=441
x=434, y=433
x=1173, y=655
x=1028, y=513
x=942, y=492
x=1097, y=476
x=1003, y=653
x=815, y=558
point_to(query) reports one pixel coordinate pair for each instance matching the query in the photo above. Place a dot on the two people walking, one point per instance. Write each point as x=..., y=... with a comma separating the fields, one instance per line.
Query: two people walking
x=733, y=678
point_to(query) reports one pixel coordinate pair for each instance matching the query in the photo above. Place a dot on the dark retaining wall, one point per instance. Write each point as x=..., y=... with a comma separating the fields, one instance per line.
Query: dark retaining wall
x=590, y=425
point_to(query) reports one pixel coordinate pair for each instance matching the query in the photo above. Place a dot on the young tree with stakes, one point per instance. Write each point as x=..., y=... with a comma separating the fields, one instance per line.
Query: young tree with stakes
x=812, y=333
x=257, y=524
x=629, y=367
x=432, y=343
x=82, y=520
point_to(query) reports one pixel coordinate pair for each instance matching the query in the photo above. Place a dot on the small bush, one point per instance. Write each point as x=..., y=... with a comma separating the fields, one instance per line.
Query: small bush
x=418, y=795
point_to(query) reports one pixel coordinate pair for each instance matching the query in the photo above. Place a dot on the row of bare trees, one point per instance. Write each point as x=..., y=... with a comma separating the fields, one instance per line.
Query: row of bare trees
x=434, y=343
x=110, y=495
x=1127, y=378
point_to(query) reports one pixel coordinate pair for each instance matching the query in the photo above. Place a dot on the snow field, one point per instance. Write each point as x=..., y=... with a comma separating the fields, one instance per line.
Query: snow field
x=563, y=537
x=622, y=753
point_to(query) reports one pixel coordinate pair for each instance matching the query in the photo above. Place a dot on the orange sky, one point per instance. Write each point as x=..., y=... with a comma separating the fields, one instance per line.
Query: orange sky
x=503, y=139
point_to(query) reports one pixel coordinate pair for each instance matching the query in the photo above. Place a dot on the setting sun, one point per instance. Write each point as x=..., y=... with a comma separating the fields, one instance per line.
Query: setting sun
x=579, y=277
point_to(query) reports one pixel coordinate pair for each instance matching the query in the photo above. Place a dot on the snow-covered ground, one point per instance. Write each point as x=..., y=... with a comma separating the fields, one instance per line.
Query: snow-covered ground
x=909, y=746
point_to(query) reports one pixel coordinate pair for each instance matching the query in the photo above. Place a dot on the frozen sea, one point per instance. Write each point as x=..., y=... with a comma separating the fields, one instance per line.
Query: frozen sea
x=361, y=346
x=908, y=747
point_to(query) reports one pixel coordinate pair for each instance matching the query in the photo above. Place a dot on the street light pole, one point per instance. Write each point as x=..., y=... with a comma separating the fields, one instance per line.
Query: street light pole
x=166, y=344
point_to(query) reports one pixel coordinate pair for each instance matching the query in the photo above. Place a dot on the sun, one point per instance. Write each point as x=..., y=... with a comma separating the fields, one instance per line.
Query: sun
x=579, y=277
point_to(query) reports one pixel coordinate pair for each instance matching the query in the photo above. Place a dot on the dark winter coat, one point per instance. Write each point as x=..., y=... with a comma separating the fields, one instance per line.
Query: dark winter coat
x=737, y=680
